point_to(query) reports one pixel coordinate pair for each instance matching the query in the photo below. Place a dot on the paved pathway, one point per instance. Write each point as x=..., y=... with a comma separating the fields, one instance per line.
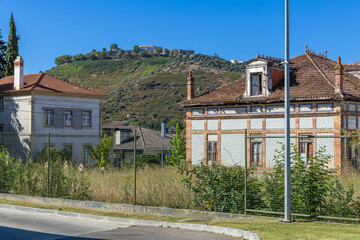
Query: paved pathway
x=15, y=225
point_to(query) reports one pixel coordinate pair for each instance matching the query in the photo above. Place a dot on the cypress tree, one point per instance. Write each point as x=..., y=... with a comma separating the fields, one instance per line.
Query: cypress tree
x=2, y=56
x=12, y=48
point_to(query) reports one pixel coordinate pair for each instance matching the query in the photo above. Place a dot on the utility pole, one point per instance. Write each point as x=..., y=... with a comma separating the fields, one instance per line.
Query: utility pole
x=287, y=200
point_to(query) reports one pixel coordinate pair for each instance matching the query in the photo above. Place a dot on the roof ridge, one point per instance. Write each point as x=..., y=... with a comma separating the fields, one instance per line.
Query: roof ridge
x=37, y=81
x=319, y=69
x=142, y=137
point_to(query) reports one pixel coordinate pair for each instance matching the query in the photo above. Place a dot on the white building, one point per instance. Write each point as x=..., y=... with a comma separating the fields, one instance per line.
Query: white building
x=33, y=105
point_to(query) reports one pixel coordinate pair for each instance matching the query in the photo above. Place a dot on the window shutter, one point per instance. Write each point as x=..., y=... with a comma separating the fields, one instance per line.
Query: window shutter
x=77, y=118
x=59, y=117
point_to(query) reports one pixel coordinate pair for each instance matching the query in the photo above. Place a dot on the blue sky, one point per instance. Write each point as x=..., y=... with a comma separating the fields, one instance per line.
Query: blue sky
x=232, y=29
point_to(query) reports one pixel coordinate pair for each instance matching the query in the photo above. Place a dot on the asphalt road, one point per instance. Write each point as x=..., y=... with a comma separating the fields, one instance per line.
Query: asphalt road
x=15, y=225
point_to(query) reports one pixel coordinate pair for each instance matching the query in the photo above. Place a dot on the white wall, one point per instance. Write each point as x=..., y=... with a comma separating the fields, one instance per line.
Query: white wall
x=16, y=125
x=66, y=135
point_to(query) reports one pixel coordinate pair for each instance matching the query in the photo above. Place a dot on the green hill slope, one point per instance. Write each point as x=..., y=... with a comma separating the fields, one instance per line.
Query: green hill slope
x=149, y=89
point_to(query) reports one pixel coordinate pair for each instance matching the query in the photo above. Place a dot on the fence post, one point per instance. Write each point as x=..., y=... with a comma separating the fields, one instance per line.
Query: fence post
x=134, y=167
x=245, y=182
x=162, y=143
x=48, y=180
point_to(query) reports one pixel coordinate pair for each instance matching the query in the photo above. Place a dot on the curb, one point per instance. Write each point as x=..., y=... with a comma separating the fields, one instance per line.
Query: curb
x=188, y=226
x=127, y=208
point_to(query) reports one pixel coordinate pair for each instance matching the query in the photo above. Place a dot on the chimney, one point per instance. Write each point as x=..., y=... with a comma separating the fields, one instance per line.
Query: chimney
x=339, y=72
x=190, y=86
x=18, y=73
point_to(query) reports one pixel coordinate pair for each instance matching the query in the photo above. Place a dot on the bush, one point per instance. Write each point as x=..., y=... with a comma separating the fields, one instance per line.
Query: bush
x=315, y=188
x=55, y=155
x=220, y=188
x=32, y=178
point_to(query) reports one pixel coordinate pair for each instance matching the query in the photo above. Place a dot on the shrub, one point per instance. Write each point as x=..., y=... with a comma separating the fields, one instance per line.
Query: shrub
x=315, y=187
x=220, y=188
x=55, y=155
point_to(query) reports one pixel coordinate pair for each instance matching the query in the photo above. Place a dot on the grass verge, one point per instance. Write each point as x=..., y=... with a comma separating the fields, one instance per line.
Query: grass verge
x=268, y=228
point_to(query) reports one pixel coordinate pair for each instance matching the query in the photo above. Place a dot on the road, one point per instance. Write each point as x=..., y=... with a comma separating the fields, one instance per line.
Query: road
x=15, y=225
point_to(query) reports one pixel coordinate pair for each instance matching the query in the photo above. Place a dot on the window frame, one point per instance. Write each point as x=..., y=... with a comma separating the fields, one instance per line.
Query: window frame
x=89, y=118
x=72, y=150
x=46, y=118
x=83, y=155
x=65, y=118
x=258, y=142
x=309, y=143
x=212, y=153
x=258, y=85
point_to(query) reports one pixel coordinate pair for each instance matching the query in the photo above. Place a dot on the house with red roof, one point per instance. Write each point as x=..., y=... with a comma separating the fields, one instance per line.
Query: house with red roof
x=324, y=100
x=33, y=105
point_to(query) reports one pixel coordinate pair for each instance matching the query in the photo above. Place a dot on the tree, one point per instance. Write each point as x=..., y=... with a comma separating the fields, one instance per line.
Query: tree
x=128, y=54
x=62, y=59
x=178, y=154
x=159, y=49
x=120, y=53
x=78, y=57
x=91, y=56
x=104, y=49
x=102, y=153
x=136, y=49
x=114, y=47
x=144, y=54
x=216, y=55
x=2, y=56
x=12, y=50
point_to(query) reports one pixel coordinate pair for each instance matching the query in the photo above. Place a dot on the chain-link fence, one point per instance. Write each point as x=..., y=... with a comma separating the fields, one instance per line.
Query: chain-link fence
x=245, y=177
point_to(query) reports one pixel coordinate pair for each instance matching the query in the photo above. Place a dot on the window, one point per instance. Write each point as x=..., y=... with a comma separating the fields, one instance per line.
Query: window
x=256, y=88
x=1, y=103
x=49, y=117
x=86, y=119
x=69, y=149
x=256, y=152
x=306, y=147
x=67, y=118
x=46, y=146
x=212, y=149
x=86, y=153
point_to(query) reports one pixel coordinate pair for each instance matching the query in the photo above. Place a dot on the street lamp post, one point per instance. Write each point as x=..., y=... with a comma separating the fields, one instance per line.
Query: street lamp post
x=287, y=198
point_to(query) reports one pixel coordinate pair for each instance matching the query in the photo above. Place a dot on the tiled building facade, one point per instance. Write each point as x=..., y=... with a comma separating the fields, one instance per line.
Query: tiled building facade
x=324, y=100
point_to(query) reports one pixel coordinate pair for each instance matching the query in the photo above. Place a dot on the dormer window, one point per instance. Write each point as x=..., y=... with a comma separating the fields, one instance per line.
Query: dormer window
x=256, y=87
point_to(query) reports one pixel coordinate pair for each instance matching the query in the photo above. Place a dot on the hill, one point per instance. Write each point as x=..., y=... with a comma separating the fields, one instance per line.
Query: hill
x=147, y=87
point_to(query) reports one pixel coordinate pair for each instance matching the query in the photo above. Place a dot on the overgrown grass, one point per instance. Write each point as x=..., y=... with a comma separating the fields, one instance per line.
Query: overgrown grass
x=155, y=186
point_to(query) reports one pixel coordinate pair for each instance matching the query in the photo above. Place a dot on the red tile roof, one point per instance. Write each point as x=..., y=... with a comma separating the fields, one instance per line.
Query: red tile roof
x=41, y=82
x=312, y=78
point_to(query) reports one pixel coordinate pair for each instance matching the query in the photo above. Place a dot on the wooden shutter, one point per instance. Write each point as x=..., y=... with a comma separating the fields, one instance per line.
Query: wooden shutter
x=77, y=118
x=59, y=117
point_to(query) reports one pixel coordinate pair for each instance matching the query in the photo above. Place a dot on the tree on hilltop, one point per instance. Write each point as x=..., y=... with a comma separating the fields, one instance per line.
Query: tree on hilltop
x=2, y=56
x=114, y=47
x=62, y=59
x=158, y=49
x=12, y=50
x=136, y=49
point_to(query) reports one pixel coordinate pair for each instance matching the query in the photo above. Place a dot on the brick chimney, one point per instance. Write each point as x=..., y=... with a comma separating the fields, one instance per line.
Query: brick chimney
x=339, y=75
x=190, y=86
x=18, y=73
